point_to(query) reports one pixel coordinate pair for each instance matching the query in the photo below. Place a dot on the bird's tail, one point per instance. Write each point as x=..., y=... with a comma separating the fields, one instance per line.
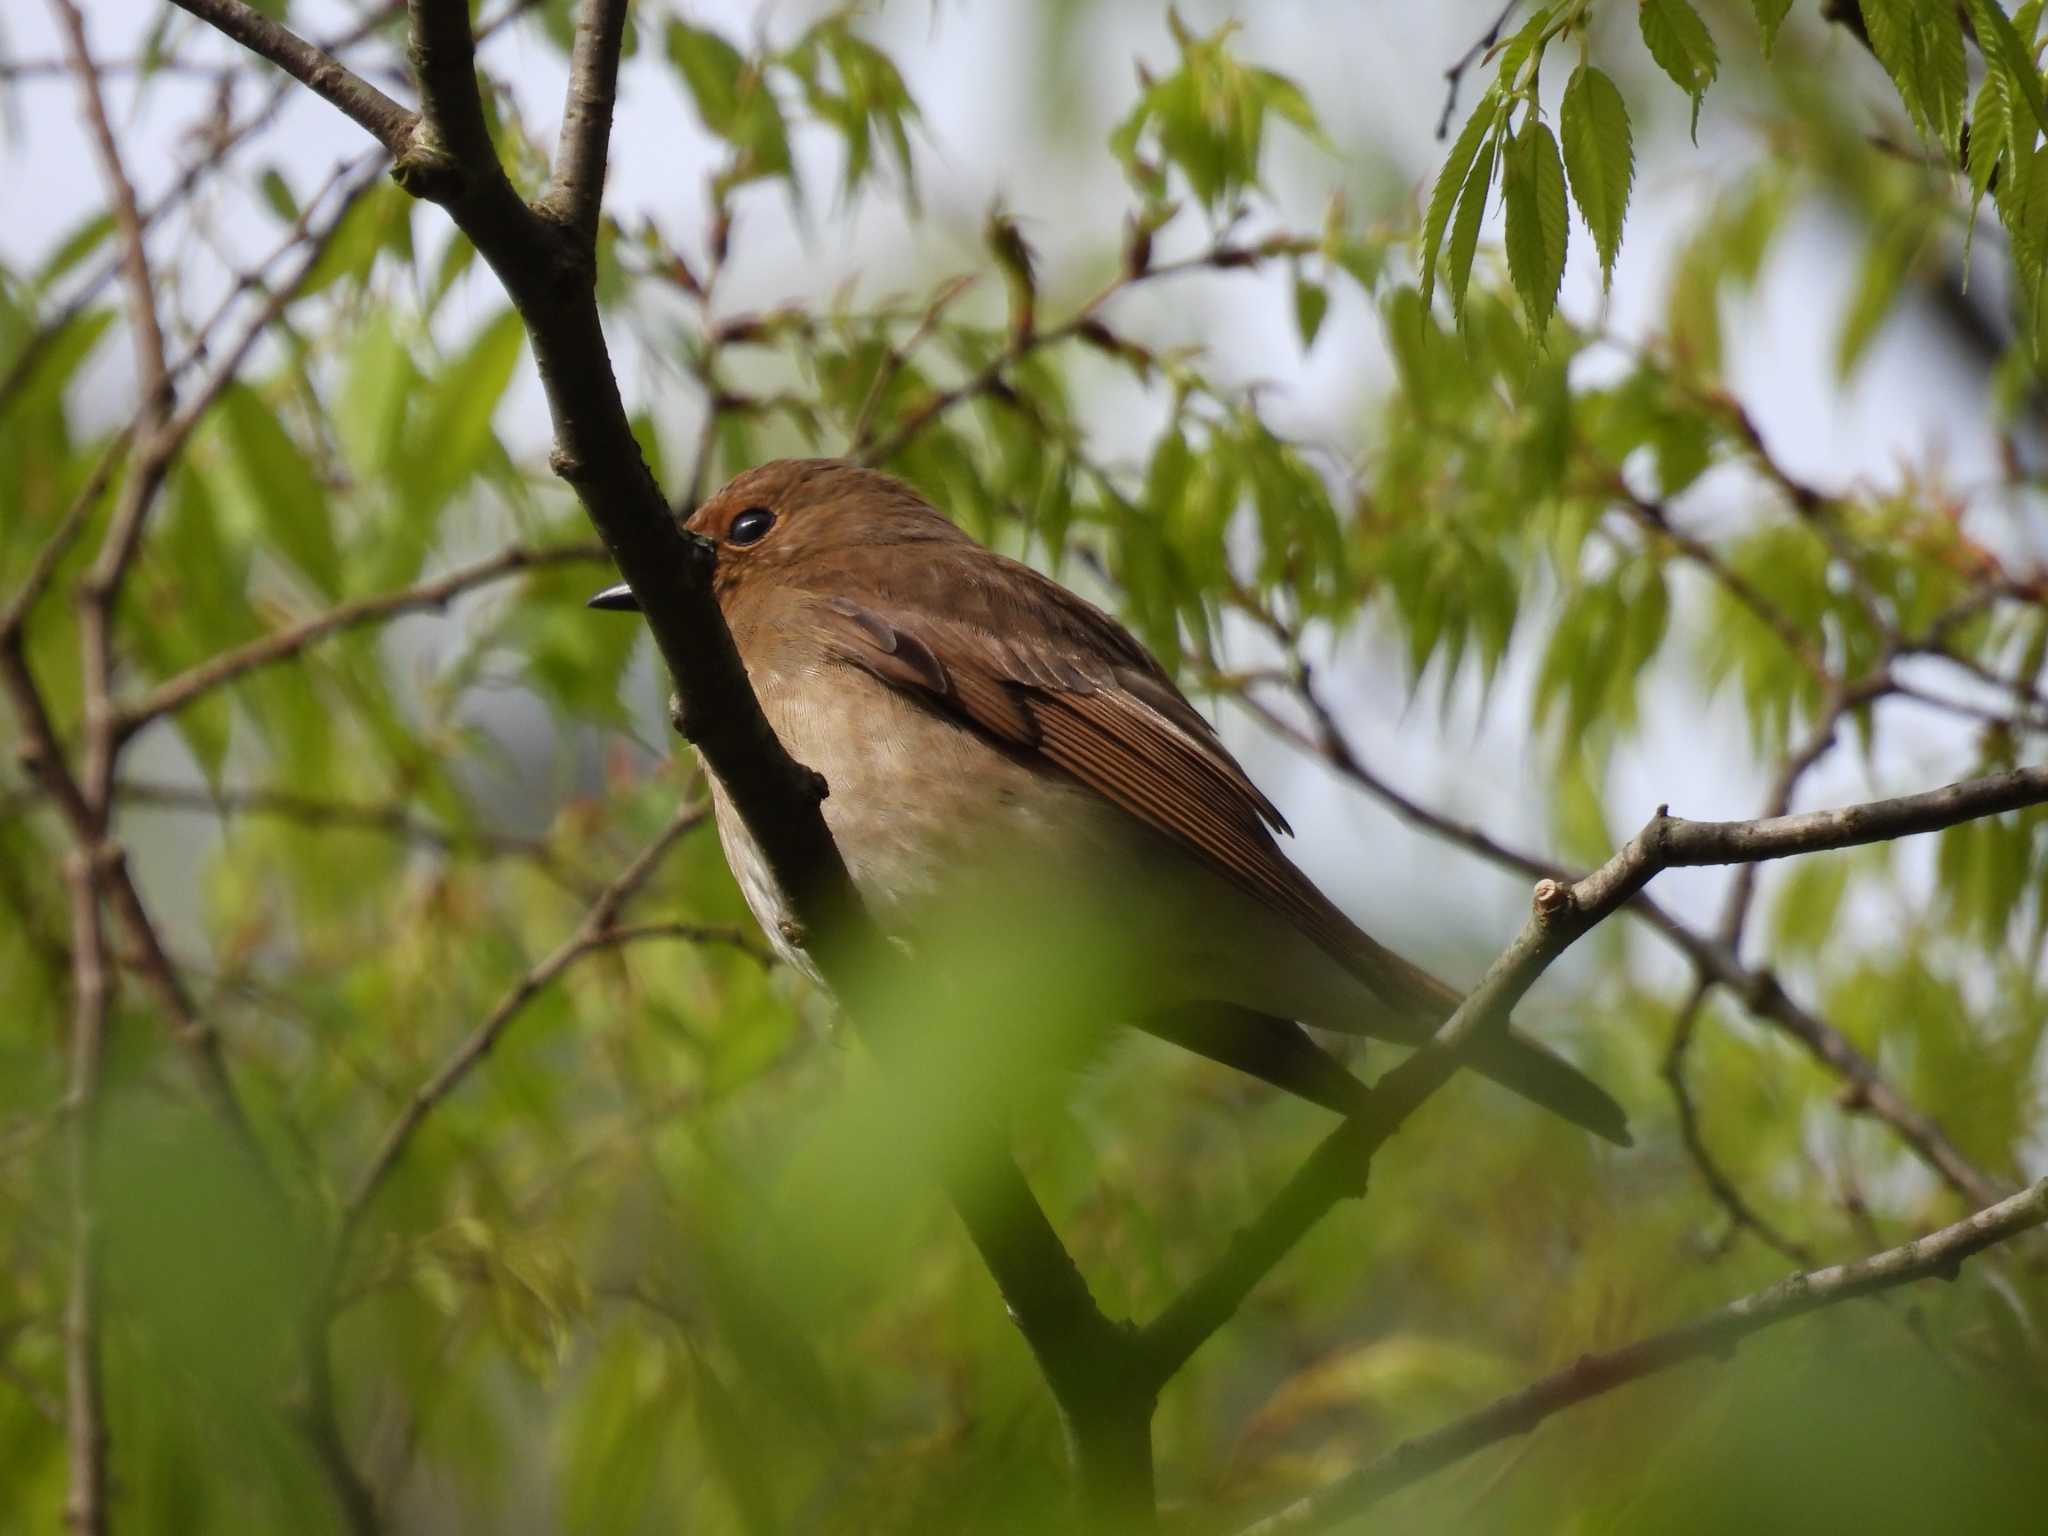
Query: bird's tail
x=1513, y=1060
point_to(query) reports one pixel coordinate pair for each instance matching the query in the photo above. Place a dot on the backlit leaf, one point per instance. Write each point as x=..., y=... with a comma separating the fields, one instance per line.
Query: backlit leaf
x=1600, y=157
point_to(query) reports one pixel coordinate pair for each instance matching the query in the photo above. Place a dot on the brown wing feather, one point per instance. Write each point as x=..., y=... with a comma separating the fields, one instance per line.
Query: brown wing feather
x=1050, y=675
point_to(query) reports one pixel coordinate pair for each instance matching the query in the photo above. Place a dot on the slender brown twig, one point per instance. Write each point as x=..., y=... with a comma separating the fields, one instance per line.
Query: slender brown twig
x=1939, y=1255
x=593, y=933
x=314, y=67
x=175, y=693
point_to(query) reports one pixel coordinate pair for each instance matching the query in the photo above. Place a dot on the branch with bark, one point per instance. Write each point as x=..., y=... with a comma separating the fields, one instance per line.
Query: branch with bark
x=1937, y=1256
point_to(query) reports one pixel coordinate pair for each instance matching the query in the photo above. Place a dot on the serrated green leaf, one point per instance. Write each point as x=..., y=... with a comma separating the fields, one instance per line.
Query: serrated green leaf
x=1945, y=75
x=2022, y=202
x=1770, y=15
x=1921, y=48
x=1516, y=51
x=1600, y=157
x=1311, y=303
x=1465, y=227
x=1986, y=145
x=1537, y=226
x=2003, y=46
x=1450, y=184
x=1683, y=48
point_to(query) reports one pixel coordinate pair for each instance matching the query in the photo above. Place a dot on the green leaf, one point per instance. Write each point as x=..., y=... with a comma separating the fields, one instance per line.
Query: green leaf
x=1209, y=118
x=1886, y=262
x=379, y=385
x=1282, y=96
x=2022, y=201
x=733, y=99
x=277, y=192
x=2002, y=45
x=379, y=220
x=1683, y=48
x=1921, y=48
x=452, y=432
x=1311, y=303
x=1770, y=15
x=1808, y=901
x=1990, y=137
x=91, y=233
x=870, y=98
x=1533, y=181
x=274, y=492
x=1465, y=228
x=1450, y=183
x=1600, y=157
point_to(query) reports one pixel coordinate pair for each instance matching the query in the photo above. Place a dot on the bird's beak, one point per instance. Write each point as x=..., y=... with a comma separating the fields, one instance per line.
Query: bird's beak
x=619, y=598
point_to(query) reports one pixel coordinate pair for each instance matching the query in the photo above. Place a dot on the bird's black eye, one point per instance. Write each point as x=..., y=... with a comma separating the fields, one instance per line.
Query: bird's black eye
x=750, y=525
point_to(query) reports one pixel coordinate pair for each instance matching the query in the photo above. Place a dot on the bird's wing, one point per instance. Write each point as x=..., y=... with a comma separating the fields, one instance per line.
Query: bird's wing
x=1059, y=682
x=1056, y=680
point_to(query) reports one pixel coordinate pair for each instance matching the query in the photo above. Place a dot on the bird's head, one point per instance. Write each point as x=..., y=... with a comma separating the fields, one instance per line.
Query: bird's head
x=789, y=521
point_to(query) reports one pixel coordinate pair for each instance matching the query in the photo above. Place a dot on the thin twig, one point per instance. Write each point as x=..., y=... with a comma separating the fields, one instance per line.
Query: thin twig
x=85, y=1422
x=1742, y=1215
x=590, y=935
x=176, y=693
x=313, y=67
x=102, y=586
x=1084, y=322
x=577, y=189
x=44, y=759
x=1455, y=75
x=1939, y=1255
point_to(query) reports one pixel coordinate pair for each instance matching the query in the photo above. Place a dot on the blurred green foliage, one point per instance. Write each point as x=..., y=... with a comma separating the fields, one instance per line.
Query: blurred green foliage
x=671, y=1255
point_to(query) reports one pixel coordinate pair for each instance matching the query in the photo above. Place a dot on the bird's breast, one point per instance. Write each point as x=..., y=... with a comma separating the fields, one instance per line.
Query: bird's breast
x=921, y=806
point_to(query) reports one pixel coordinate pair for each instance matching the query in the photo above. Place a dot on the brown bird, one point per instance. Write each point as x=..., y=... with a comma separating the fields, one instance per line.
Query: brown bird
x=966, y=711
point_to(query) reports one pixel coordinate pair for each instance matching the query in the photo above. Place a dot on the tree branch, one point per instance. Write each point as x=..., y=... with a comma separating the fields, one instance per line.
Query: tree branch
x=85, y=1423
x=45, y=761
x=102, y=586
x=385, y=120
x=1675, y=843
x=1939, y=1255
x=576, y=191
x=174, y=694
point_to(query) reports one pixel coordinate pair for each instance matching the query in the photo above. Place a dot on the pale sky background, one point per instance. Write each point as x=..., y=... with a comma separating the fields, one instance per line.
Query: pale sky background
x=988, y=78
